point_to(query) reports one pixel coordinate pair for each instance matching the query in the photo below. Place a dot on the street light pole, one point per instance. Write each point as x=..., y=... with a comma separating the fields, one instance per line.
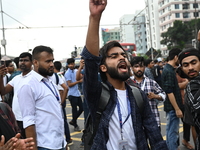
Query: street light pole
x=3, y=42
x=195, y=1
x=150, y=36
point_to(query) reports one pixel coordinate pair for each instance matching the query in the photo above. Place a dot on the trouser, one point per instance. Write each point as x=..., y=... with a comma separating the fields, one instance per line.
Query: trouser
x=76, y=101
x=67, y=133
x=186, y=131
x=20, y=125
x=172, y=132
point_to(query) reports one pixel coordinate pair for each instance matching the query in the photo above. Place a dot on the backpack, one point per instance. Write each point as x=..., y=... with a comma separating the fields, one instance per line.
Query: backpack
x=91, y=128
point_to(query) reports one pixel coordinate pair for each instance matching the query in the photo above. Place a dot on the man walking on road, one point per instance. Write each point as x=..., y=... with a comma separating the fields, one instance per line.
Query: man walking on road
x=74, y=94
x=173, y=104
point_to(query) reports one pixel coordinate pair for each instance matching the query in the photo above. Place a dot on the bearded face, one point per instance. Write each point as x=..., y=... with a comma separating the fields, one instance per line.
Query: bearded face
x=120, y=72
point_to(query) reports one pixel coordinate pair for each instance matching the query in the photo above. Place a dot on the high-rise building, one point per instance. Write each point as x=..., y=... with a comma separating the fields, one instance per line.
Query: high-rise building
x=171, y=10
x=126, y=29
x=140, y=33
x=110, y=34
x=152, y=24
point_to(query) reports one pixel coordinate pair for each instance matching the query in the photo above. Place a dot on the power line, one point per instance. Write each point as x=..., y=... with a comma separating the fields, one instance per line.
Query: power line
x=64, y=26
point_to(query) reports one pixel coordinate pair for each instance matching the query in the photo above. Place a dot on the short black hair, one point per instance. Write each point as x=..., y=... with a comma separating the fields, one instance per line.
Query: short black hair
x=173, y=52
x=57, y=65
x=39, y=49
x=155, y=61
x=70, y=60
x=148, y=61
x=16, y=61
x=104, y=54
x=25, y=54
x=136, y=60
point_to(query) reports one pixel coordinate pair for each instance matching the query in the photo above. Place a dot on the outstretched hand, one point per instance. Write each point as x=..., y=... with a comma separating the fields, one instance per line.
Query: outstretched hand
x=97, y=6
x=16, y=144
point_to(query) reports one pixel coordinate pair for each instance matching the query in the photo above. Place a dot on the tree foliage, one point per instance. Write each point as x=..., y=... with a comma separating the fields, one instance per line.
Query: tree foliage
x=180, y=34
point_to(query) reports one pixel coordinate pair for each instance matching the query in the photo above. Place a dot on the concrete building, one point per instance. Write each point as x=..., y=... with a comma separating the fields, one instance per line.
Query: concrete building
x=152, y=27
x=126, y=29
x=140, y=33
x=171, y=10
x=110, y=34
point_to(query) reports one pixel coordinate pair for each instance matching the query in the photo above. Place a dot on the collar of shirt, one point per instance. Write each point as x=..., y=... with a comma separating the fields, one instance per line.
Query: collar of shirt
x=133, y=78
x=40, y=77
x=26, y=74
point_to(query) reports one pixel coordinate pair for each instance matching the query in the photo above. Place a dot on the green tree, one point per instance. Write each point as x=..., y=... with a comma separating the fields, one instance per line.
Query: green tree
x=180, y=34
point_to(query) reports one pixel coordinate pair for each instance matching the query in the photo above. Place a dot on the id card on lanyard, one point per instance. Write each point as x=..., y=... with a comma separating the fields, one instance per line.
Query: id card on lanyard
x=123, y=143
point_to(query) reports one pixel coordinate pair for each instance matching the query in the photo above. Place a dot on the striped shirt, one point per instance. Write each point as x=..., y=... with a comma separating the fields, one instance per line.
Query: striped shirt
x=148, y=85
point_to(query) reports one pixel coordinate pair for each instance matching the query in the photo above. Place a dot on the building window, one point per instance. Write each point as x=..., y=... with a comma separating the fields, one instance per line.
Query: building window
x=177, y=15
x=195, y=5
x=176, y=6
x=196, y=14
x=185, y=15
x=186, y=6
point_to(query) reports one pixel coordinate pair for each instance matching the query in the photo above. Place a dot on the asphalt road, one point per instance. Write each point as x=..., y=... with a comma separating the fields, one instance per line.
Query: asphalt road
x=76, y=136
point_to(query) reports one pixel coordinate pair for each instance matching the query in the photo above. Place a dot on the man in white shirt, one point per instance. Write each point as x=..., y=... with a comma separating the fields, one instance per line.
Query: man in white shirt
x=25, y=64
x=40, y=104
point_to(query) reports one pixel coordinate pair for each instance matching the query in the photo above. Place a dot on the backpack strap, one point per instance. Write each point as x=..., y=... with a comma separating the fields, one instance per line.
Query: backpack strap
x=103, y=101
x=57, y=78
x=105, y=96
x=138, y=98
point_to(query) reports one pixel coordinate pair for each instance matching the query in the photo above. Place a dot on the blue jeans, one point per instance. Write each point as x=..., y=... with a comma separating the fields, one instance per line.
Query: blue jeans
x=172, y=130
x=41, y=148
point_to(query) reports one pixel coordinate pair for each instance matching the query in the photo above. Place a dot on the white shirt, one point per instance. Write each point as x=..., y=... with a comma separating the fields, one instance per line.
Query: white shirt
x=60, y=81
x=17, y=83
x=42, y=109
x=114, y=125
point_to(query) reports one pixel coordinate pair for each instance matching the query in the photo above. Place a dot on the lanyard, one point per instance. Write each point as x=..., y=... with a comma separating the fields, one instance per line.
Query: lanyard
x=55, y=94
x=143, y=85
x=120, y=114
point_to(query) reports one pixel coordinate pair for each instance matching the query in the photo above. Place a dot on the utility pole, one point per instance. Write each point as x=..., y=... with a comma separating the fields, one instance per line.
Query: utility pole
x=195, y=1
x=3, y=42
x=150, y=36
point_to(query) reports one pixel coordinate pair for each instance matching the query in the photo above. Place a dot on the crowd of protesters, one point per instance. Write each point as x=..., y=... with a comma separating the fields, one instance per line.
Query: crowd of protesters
x=34, y=93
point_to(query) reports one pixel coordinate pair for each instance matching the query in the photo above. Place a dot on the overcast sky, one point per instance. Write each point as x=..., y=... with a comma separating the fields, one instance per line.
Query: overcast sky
x=56, y=13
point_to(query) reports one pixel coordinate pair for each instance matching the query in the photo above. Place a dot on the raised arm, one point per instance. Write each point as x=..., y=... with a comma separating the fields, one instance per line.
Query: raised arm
x=92, y=40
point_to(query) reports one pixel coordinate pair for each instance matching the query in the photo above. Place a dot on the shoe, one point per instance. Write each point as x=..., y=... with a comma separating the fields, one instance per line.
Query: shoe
x=70, y=142
x=82, y=145
x=77, y=128
x=71, y=123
